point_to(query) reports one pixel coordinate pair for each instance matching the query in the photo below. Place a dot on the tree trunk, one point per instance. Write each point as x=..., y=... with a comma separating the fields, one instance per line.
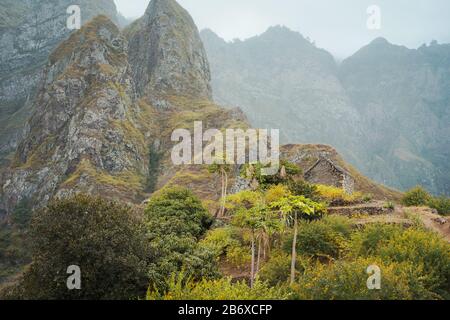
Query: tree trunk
x=222, y=193
x=225, y=191
x=294, y=250
x=258, y=261
x=252, y=272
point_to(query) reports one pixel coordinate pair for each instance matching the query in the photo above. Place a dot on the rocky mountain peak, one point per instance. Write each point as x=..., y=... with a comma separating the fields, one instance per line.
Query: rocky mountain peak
x=29, y=31
x=167, y=54
x=83, y=134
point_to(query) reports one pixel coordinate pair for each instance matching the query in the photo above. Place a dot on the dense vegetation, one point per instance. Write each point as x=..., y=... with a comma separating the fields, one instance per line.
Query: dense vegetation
x=418, y=196
x=273, y=242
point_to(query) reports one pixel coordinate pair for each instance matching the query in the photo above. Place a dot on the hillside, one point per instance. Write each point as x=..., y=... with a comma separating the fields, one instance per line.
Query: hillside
x=94, y=130
x=29, y=31
x=403, y=97
x=385, y=109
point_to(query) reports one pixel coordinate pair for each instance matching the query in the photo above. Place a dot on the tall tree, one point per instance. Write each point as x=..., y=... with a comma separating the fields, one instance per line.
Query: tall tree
x=292, y=208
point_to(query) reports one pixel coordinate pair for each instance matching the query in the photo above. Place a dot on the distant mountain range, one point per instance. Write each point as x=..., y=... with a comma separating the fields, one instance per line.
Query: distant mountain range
x=386, y=108
x=93, y=110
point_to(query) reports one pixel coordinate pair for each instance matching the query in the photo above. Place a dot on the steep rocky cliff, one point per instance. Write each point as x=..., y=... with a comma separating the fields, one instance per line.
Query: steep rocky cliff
x=83, y=133
x=281, y=80
x=95, y=129
x=29, y=31
x=403, y=96
x=386, y=109
x=166, y=53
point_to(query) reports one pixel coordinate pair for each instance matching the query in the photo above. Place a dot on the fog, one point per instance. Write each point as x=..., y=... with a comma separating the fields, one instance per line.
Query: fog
x=338, y=26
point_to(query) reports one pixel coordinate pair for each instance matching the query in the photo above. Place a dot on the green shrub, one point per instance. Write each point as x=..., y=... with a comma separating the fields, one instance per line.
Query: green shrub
x=239, y=256
x=105, y=239
x=416, y=197
x=368, y=241
x=277, y=270
x=177, y=211
x=347, y=280
x=175, y=221
x=21, y=215
x=182, y=288
x=425, y=250
x=418, y=247
x=303, y=188
x=337, y=196
x=441, y=204
x=220, y=240
x=326, y=238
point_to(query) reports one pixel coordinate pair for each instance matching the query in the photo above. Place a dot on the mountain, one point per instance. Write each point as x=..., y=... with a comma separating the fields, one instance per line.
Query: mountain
x=98, y=127
x=179, y=67
x=281, y=80
x=403, y=97
x=29, y=31
x=386, y=108
x=107, y=106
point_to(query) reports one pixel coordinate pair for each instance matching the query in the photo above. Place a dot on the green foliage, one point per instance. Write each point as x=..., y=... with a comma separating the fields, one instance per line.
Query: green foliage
x=239, y=256
x=21, y=215
x=153, y=168
x=254, y=171
x=416, y=197
x=103, y=238
x=337, y=196
x=14, y=250
x=177, y=211
x=367, y=242
x=303, y=188
x=220, y=240
x=441, y=204
x=425, y=250
x=327, y=238
x=347, y=280
x=304, y=207
x=175, y=221
x=181, y=287
x=243, y=200
x=276, y=270
x=389, y=205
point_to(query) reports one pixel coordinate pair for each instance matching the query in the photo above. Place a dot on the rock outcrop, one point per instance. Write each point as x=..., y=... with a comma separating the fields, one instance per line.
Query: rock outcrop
x=166, y=53
x=83, y=134
x=29, y=31
x=96, y=129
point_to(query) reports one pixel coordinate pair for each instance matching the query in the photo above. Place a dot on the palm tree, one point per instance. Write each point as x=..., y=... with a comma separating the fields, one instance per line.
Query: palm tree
x=291, y=207
x=221, y=167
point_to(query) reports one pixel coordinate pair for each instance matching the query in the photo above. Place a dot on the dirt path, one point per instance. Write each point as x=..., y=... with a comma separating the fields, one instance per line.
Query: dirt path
x=433, y=221
x=405, y=216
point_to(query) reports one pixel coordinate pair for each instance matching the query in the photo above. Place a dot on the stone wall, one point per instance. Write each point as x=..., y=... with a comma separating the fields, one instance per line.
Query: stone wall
x=325, y=173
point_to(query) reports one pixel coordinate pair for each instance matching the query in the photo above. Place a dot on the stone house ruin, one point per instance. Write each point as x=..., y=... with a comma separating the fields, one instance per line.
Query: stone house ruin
x=326, y=172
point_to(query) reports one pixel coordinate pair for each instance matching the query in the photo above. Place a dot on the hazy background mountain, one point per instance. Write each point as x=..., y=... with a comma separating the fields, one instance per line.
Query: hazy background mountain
x=386, y=108
x=403, y=98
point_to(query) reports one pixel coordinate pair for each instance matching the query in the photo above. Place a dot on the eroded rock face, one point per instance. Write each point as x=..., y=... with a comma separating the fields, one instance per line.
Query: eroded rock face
x=166, y=53
x=83, y=133
x=403, y=96
x=29, y=31
x=283, y=81
x=101, y=127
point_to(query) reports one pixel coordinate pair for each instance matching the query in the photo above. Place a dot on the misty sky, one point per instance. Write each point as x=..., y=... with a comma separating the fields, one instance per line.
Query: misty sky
x=338, y=26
